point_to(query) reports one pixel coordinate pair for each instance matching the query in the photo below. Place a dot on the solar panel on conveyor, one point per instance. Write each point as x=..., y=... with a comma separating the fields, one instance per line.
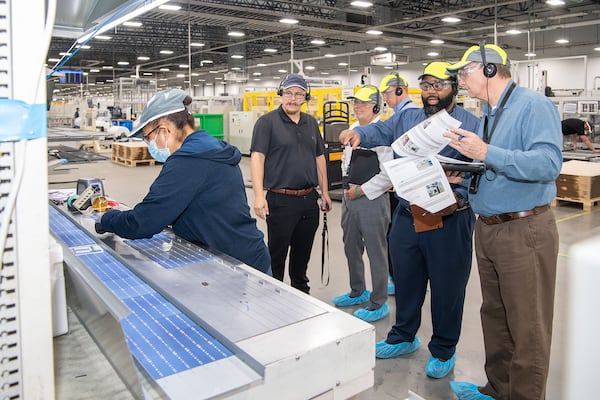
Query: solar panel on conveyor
x=161, y=338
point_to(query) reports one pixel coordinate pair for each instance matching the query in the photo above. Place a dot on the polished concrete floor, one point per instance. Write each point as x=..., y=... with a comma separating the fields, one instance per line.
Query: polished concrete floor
x=83, y=373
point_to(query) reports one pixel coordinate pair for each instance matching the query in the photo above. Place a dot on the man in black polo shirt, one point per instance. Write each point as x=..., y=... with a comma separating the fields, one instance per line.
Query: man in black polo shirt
x=287, y=159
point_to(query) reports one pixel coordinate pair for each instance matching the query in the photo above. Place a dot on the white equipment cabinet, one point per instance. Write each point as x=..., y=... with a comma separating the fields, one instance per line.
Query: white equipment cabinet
x=241, y=124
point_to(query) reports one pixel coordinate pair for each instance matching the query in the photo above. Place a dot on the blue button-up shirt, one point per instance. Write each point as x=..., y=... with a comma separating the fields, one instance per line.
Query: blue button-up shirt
x=524, y=155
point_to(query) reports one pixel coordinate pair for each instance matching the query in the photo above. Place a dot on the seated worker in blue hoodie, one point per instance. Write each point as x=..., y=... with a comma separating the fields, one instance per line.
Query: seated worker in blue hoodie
x=199, y=192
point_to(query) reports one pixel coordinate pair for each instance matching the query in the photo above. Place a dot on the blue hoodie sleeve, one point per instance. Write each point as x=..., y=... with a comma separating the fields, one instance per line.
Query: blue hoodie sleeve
x=168, y=197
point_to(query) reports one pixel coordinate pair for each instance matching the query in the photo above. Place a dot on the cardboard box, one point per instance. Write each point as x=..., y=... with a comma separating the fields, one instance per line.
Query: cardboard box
x=578, y=181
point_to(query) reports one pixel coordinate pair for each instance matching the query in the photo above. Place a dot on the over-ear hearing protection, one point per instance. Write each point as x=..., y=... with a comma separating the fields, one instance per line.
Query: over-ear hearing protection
x=280, y=88
x=489, y=70
x=399, y=90
x=377, y=105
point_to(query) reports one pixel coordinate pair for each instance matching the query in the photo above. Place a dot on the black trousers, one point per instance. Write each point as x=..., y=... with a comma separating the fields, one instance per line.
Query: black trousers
x=291, y=224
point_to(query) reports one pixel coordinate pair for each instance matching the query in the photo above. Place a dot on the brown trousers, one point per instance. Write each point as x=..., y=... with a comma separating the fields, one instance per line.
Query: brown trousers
x=517, y=271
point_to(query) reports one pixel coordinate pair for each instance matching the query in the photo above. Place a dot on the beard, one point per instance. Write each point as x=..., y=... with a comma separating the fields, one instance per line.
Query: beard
x=443, y=103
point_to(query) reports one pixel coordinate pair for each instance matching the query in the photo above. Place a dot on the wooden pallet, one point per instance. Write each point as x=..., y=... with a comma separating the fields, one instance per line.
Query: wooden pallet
x=588, y=204
x=131, y=163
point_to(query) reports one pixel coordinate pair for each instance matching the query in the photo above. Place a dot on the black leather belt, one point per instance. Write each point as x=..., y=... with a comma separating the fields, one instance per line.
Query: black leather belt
x=293, y=192
x=500, y=218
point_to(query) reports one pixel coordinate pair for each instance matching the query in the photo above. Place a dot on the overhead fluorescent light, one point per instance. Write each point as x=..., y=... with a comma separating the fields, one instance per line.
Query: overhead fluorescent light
x=530, y=54
x=134, y=24
x=166, y=52
x=283, y=71
x=433, y=54
x=236, y=34
x=513, y=31
x=123, y=63
x=143, y=58
x=115, y=20
x=597, y=48
x=374, y=32
x=555, y=2
x=318, y=42
x=261, y=65
x=289, y=21
x=169, y=7
x=436, y=41
x=103, y=37
x=206, y=62
x=183, y=66
x=562, y=41
x=196, y=44
x=269, y=50
x=237, y=56
x=361, y=4
x=309, y=67
x=451, y=19
x=343, y=64
x=329, y=55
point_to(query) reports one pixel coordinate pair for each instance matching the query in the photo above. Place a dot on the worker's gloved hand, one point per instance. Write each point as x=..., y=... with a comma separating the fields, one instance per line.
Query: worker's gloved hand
x=97, y=217
x=98, y=228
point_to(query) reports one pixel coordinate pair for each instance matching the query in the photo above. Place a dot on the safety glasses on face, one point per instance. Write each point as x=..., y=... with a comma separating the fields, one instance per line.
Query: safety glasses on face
x=147, y=136
x=360, y=103
x=436, y=85
x=467, y=70
x=296, y=95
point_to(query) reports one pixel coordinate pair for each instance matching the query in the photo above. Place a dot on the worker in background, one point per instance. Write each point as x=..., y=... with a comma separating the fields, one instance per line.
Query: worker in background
x=516, y=238
x=573, y=128
x=394, y=90
x=366, y=219
x=287, y=158
x=440, y=257
x=76, y=119
x=199, y=191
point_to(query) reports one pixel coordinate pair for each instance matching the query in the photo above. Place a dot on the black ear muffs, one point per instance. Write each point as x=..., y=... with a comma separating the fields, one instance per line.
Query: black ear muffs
x=399, y=90
x=489, y=70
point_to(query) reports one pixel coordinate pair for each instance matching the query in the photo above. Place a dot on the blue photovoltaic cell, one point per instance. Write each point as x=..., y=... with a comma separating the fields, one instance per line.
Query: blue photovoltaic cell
x=169, y=254
x=163, y=339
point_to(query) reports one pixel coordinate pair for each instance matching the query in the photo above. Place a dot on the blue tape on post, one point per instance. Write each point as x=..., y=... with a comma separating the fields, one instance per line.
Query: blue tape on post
x=19, y=120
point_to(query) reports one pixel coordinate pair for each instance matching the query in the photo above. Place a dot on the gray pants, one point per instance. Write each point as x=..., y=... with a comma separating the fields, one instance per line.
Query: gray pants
x=365, y=224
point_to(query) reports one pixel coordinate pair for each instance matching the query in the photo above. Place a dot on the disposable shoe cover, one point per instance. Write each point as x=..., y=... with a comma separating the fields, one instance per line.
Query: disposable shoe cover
x=374, y=315
x=468, y=391
x=439, y=369
x=345, y=300
x=386, y=350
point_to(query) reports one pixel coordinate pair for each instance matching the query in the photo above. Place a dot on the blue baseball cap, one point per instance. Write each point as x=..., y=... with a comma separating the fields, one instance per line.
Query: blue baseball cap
x=294, y=80
x=160, y=105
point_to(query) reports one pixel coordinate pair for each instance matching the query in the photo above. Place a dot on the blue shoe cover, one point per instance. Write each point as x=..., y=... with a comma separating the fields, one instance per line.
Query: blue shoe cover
x=345, y=300
x=385, y=350
x=391, y=287
x=439, y=369
x=468, y=391
x=371, y=316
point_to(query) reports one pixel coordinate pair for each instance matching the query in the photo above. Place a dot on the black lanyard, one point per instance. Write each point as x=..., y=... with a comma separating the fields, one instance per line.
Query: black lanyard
x=488, y=137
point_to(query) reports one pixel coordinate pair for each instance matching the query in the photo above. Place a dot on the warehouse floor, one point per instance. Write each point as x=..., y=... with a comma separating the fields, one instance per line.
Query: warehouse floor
x=83, y=373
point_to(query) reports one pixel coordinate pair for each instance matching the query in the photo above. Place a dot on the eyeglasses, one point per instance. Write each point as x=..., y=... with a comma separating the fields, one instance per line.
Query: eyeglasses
x=146, y=137
x=360, y=103
x=468, y=70
x=436, y=85
x=297, y=96
x=387, y=92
